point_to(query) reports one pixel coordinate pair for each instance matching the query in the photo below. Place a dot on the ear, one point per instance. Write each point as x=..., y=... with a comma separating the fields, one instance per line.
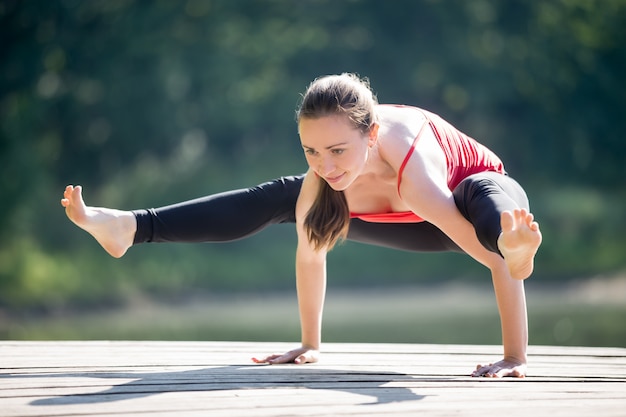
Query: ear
x=373, y=136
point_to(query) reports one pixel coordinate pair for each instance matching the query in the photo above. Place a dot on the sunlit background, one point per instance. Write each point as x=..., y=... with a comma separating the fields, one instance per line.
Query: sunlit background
x=150, y=103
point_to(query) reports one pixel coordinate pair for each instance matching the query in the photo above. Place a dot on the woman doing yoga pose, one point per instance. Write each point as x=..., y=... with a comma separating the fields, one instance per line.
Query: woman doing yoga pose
x=389, y=175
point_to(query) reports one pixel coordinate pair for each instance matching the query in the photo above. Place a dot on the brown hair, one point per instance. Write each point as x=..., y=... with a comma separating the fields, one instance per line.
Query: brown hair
x=329, y=217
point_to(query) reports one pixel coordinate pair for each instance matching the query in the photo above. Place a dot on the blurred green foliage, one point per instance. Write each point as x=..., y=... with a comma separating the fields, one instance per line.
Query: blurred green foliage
x=146, y=103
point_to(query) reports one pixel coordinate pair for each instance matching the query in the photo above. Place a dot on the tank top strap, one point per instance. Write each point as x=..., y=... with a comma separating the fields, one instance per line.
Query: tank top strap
x=409, y=154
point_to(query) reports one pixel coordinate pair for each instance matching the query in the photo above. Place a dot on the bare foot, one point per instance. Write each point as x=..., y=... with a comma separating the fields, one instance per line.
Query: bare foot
x=519, y=241
x=113, y=229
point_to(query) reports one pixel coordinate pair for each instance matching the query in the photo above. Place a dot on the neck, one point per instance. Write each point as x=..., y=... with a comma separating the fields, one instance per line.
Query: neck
x=375, y=168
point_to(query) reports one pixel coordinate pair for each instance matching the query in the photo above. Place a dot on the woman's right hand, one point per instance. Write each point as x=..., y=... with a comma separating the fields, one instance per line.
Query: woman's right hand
x=298, y=356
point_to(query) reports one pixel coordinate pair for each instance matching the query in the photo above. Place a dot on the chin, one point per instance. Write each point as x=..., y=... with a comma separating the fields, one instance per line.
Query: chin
x=340, y=185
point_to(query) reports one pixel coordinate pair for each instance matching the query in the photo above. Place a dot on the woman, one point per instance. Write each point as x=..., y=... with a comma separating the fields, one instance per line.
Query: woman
x=395, y=176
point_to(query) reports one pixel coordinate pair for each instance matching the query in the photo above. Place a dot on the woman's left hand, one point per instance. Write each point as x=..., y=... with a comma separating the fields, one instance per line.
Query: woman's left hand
x=298, y=356
x=501, y=369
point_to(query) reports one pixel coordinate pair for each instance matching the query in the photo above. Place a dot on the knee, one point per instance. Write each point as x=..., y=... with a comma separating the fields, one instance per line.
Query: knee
x=471, y=191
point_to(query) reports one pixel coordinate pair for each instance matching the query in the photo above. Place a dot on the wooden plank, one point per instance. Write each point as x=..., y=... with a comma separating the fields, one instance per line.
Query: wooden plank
x=216, y=378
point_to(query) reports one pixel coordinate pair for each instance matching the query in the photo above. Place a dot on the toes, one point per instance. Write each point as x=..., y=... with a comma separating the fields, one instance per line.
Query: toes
x=72, y=192
x=68, y=191
x=528, y=219
x=67, y=196
x=507, y=221
x=510, y=220
x=77, y=195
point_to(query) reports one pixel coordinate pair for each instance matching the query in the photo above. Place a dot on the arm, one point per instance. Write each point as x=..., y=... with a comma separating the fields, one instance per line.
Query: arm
x=310, y=284
x=311, y=287
x=424, y=189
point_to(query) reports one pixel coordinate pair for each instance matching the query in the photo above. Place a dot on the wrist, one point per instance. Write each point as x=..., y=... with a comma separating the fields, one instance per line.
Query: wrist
x=517, y=360
x=311, y=346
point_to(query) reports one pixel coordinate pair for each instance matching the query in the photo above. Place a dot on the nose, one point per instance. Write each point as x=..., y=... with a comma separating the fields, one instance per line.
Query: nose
x=326, y=166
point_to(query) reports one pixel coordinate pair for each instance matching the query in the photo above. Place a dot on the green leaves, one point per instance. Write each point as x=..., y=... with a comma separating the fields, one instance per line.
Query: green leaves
x=148, y=103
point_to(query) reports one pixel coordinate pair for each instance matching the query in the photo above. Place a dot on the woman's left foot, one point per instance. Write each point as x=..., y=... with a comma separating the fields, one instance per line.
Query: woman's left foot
x=519, y=241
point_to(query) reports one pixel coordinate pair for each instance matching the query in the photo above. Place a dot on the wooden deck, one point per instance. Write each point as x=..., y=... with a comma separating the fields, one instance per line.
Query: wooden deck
x=218, y=378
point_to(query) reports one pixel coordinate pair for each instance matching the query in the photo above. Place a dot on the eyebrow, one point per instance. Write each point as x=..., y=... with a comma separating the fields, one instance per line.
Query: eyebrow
x=328, y=147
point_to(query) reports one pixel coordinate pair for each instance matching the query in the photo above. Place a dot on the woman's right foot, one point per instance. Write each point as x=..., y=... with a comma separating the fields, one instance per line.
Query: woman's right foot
x=519, y=241
x=113, y=229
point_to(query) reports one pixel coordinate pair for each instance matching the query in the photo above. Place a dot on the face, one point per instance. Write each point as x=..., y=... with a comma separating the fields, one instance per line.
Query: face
x=335, y=149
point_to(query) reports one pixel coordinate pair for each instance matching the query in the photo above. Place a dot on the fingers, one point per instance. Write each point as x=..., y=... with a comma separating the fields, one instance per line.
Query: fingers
x=301, y=359
x=275, y=359
x=297, y=356
x=481, y=370
x=500, y=370
x=286, y=358
x=485, y=371
x=265, y=360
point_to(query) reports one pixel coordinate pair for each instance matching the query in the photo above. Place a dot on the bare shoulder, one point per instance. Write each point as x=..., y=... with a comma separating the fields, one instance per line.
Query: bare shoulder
x=405, y=127
x=399, y=126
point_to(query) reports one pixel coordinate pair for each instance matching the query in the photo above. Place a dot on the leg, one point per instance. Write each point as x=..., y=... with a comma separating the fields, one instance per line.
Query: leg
x=414, y=237
x=498, y=208
x=221, y=217
x=424, y=237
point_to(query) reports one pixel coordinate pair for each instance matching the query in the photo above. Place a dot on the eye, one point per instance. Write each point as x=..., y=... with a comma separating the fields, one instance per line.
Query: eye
x=338, y=151
x=310, y=151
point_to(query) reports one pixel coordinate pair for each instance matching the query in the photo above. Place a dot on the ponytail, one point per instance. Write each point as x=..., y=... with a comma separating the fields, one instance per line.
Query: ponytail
x=329, y=218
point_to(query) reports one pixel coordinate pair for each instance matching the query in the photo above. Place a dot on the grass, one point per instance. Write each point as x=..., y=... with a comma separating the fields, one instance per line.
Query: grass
x=590, y=313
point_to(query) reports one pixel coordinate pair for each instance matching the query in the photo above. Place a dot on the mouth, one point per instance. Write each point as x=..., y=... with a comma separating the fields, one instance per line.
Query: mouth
x=334, y=180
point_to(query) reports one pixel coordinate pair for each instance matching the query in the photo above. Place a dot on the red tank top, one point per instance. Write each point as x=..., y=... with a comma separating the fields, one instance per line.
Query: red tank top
x=464, y=157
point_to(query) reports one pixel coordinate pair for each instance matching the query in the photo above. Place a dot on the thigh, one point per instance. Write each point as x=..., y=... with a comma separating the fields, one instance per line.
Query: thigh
x=414, y=237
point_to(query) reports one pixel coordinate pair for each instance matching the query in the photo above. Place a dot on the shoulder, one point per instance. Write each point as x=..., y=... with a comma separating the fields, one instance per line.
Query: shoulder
x=401, y=127
x=401, y=113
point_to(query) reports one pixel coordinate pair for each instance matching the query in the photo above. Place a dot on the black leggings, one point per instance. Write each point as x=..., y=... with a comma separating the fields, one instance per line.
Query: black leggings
x=240, y=213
